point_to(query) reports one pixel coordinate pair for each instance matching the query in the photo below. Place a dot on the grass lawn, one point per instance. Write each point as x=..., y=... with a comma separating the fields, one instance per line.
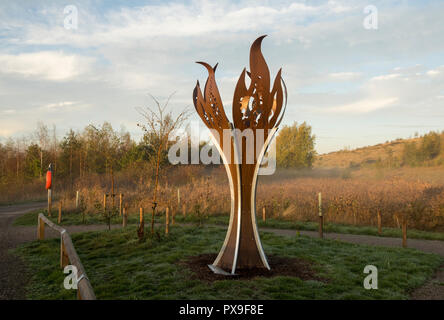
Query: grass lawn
x=75, y=218
x=328, y=227
x=72, y=218
x=119, y=267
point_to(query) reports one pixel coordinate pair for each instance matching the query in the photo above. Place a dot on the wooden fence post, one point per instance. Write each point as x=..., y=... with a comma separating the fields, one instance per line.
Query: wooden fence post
x=395, y=217
x=77, y=199
x=404, y=232
x=104, y=202
x=64, y=259
x=263, y=214
x=178, y=197
x=49, y=202
x=141, y=220
x=167, y=220
x=141, y=230
x=125, y=218
x=40, y=229
x=68, y=255
x=321, y=218
x=59, y=220
x=379, y=223
x=120, y=204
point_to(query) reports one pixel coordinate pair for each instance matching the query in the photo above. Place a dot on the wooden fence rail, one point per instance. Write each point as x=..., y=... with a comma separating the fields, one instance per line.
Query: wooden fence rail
x=68, y=255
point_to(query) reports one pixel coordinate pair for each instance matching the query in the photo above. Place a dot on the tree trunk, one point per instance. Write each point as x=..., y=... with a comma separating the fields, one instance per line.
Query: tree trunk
x=155, y=188
x=41, y=163
x=70, y=165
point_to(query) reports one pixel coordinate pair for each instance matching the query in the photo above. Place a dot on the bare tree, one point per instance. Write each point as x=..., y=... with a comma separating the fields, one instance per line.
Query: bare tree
x=17, y=157
x=42, y=134
x=159, y=124
x=55, y=143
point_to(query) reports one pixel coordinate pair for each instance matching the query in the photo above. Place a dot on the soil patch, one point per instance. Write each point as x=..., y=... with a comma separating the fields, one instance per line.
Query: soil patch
x=280, y=266
x=13, y=273
x=433, y=289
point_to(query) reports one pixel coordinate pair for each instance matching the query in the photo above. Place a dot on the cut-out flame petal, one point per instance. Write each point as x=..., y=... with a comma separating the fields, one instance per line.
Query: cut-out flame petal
x=209, y=106
x=254, y=107
x=266, y=106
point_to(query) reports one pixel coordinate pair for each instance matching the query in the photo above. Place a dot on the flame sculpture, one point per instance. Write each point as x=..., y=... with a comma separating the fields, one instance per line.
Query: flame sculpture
x=254, y=107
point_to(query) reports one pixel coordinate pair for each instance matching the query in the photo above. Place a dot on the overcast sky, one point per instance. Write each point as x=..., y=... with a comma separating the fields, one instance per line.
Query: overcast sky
x=354, y=86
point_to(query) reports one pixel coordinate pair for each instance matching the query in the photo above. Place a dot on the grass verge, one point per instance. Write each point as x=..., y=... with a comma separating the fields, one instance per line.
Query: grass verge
x=76, y=218
x=120, y=267
x=328, y=227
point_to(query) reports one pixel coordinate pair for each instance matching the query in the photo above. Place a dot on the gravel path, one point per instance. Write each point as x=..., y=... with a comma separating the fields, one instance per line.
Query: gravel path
x=14, y=277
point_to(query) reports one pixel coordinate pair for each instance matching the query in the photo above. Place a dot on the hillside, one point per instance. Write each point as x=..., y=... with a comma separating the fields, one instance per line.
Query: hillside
x=386, y=152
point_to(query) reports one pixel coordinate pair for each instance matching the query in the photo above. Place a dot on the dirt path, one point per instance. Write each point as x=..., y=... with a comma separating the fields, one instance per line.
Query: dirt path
x=13, y=276
x=433, y=289
x=13, y=273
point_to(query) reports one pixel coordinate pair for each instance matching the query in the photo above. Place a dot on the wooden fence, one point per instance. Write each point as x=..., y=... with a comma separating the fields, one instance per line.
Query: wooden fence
x=68, y=255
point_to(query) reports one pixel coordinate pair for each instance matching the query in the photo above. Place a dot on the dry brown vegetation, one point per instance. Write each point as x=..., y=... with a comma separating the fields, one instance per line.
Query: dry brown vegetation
x=363, y=156
x=352, y=198
x=401, y=179
x=423, y=151
x=357, y=201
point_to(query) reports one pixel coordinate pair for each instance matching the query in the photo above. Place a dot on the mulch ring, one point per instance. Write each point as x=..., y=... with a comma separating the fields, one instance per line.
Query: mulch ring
x=280, y=266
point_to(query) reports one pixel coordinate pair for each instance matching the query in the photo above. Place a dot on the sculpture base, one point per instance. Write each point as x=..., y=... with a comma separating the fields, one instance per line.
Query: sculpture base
x=220, y=271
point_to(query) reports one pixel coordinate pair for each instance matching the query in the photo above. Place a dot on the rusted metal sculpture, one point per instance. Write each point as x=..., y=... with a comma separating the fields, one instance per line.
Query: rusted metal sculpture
x=259, y=110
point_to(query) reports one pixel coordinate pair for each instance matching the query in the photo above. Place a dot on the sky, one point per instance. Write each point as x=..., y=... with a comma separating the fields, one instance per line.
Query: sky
x=355, y=86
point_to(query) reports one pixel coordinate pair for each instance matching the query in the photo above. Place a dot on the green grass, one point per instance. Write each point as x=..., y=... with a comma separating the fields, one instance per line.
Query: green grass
x=350, y=229
x=71, y=218
x=328, y=227
x=75, y=218
x=120, y=267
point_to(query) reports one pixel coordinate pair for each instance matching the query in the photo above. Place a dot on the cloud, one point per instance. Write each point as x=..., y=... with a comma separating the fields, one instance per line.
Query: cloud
x=324, y=25
x=413, y=88
x=344, y=75
x=337, y=7
x=198, y=18
x=433, y=72
x=10, y=127
x=365, y=105
x=48, y=65
x=7, y=111
x=59, y=105
x=333, y=67
x=386, y=77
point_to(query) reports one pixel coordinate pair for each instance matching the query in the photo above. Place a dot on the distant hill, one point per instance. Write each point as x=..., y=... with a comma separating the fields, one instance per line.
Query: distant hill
x=365, y=156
